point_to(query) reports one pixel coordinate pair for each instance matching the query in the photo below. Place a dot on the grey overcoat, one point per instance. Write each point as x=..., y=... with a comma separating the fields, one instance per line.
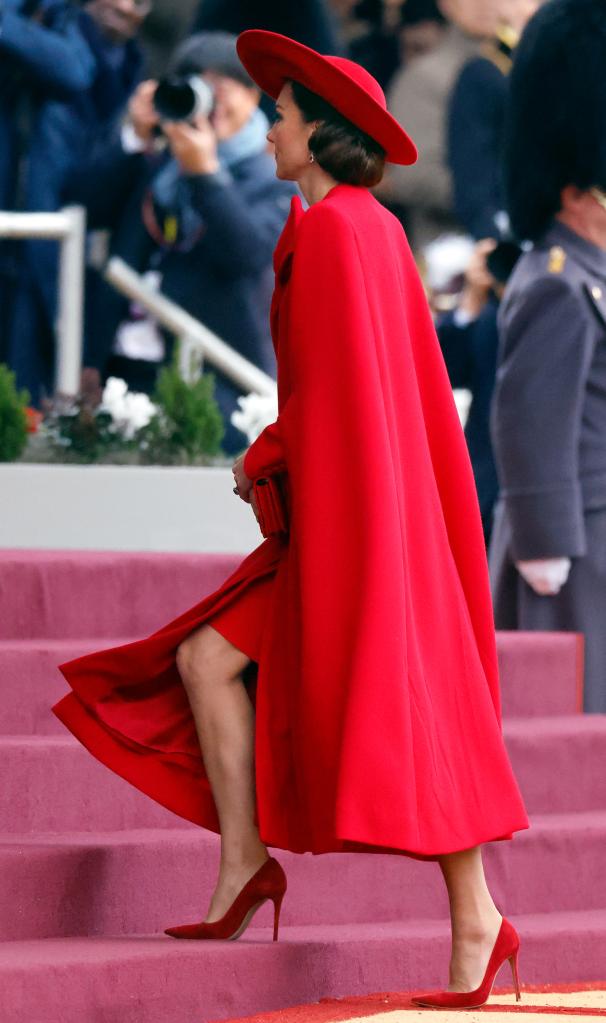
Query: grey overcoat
x=549, y=435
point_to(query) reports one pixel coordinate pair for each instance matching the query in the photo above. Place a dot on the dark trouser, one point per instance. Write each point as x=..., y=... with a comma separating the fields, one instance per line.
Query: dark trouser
x=31, y=343
x=580, y=606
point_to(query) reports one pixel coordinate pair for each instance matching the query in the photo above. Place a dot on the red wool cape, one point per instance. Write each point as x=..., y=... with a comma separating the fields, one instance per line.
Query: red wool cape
x=377, y=701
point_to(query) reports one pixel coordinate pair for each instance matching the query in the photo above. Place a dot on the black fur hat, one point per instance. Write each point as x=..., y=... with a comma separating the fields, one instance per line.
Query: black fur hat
x=556, y=131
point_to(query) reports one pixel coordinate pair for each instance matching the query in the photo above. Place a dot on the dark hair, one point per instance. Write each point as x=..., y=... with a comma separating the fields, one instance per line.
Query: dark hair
x=344, y=151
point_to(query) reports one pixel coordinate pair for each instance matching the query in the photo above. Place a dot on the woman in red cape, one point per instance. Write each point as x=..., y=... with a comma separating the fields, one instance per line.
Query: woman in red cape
x=376, y=722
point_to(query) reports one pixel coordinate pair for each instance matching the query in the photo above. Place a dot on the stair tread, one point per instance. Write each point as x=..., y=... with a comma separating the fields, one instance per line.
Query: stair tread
x=21, y=645
x=569, y=724
x=185, y=833
x=97, y=949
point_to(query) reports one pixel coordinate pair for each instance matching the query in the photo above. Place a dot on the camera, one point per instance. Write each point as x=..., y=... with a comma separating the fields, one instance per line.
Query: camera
x=183, y=98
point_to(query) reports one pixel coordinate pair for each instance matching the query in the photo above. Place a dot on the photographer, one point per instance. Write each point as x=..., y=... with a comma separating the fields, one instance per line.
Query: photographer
x=43, y=59
x=204, y=216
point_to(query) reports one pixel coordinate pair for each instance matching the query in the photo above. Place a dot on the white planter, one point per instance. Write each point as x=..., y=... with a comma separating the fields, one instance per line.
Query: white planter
x=130, y=508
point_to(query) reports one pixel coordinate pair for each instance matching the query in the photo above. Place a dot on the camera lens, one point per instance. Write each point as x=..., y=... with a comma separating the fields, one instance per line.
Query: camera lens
x=183, y=99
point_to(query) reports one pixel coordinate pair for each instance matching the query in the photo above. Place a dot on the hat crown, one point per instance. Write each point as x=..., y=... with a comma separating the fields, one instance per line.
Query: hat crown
x=361, y=77
x=272, y=59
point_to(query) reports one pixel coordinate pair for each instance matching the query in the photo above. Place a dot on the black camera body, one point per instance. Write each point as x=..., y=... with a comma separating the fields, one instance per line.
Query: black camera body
x=183, y=98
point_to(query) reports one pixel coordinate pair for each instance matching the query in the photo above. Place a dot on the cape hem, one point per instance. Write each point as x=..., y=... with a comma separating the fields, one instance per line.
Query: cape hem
x=159, y=776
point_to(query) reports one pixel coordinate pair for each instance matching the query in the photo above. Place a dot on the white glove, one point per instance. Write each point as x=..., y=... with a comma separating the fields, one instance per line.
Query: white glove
x=545, y=576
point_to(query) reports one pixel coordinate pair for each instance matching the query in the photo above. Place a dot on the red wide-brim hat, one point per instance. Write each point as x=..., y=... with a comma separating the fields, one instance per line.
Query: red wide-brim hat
x=272, y=59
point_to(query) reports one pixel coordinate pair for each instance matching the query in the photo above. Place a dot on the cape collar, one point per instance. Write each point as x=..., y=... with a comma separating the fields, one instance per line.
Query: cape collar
x=588, y=255
x=286, y=242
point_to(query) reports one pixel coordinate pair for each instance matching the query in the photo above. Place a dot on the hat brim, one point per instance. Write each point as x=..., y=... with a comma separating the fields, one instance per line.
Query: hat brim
x=272, y=59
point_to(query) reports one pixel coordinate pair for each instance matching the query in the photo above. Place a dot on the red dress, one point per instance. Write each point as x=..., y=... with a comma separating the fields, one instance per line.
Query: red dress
x=377, y=701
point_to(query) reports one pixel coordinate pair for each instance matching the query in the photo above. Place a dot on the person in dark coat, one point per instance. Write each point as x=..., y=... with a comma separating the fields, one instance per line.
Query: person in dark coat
x=44, y=61
x=468, y=338
x=548, y=552
x=204, y=216
x=476, y=124
x=58, y=140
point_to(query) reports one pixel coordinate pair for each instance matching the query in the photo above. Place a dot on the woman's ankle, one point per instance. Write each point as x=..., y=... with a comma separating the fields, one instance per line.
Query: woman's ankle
x=237, y=861
x=476, y=927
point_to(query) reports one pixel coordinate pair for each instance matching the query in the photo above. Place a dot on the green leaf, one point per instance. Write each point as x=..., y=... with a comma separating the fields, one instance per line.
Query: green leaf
x=13, y=418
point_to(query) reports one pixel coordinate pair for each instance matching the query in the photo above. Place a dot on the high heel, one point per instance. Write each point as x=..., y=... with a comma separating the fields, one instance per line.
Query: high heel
x=269, y=882
x=506, y=948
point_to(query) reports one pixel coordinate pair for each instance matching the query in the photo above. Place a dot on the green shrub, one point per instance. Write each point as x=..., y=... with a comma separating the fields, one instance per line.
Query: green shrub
x=13, y=418
x=189, y=427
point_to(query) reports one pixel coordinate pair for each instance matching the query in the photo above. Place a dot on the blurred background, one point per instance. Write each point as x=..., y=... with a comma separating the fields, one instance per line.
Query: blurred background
x=78, y=126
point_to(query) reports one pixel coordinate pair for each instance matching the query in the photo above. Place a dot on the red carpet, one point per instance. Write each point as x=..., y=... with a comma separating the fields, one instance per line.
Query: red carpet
x=569, y=1000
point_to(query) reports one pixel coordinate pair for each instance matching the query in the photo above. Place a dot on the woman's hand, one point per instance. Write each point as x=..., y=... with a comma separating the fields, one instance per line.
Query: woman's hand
x=242, y=481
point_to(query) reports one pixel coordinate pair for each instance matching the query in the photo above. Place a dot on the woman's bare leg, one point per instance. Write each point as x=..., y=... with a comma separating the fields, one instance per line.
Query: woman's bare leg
x=474, y=918
x=211, y=671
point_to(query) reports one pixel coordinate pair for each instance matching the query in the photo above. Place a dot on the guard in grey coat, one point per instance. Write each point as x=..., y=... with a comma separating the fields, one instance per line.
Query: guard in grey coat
x=548, y=549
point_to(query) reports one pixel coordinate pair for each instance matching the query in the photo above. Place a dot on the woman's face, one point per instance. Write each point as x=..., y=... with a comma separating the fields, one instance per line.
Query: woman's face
x=290, y=134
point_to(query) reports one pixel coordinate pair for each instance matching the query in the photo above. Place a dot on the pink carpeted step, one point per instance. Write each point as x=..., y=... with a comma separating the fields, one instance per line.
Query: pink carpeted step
x=143, y=881
x=159, y=980
x=69, y=594
x=63, y=595
x=538, y=675
x=51, y=783
x=559, y=762
x=541, y=673
x=30, y=682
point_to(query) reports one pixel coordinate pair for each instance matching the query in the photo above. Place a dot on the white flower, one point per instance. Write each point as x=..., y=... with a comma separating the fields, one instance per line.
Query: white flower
x=139, y=411
x=130, y=411
x=255, y=413
x=114, y=392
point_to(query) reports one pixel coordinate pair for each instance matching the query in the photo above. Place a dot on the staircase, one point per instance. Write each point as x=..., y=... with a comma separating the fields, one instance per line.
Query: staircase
x=91, y=870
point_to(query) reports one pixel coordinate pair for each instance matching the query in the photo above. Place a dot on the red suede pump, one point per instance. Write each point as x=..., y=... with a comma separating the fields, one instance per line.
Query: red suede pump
x=268, y=883
x=506, y=947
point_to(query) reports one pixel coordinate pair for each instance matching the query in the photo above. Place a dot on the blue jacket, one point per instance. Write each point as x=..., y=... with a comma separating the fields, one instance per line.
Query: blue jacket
x=41, y=63
x=65, y=84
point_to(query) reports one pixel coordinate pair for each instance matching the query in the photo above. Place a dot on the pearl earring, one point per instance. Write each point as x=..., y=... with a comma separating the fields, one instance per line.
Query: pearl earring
x=311, y=158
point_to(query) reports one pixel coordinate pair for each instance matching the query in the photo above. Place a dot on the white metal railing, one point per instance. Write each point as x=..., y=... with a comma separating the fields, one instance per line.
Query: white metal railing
x=68, y=226
x=195, y=340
